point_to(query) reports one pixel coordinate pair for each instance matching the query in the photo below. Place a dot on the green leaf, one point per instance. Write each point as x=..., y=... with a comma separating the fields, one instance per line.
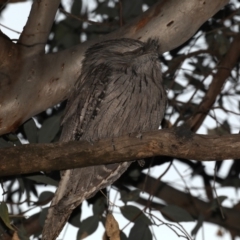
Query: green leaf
x=43, y=179
x=130, y=196
x=44, y=198
x=4, y=143
x=140, y=231
x=22, y=233
x=4, y=215
x=218, y=200
x=43, y=216
x=87, y=227
x=31, y=130
x=75, y=218
x=14, y=139
x=123, y=236
x=176, y=87
x=177, y=214
x=134, y=214
x=131, y=9
x=99, y=206
x=233, y=182
x=49, y=129
x=76, y=7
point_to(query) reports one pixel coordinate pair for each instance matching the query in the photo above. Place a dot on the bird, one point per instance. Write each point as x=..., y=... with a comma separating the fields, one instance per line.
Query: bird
x=119, y=91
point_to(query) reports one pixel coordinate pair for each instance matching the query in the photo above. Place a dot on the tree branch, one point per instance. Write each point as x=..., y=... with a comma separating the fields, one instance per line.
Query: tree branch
x=166, y=20
x=58, y=156
x=171, y=195
x=173, y=22
x=39, y=23
x=191, y=204
x=224, y=70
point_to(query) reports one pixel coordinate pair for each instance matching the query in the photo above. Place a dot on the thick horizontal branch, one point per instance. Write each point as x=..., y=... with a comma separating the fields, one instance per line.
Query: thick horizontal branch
x=174, y=143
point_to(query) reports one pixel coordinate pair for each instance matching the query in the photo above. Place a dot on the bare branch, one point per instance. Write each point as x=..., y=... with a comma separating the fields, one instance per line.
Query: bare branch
x=39, y=23
x=191, y=204
x=58, y=156
x=224, y=70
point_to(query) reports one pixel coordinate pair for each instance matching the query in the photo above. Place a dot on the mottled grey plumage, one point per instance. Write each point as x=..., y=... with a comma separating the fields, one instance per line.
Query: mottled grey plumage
x=119, y=91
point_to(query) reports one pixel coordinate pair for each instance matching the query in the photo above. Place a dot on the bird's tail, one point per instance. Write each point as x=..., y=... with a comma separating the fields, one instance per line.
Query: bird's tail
x=59, y=211
x=75, y=186
x=54, y=223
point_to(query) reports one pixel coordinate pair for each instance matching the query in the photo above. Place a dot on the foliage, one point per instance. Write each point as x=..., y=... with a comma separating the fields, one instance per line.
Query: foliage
x=188, y=72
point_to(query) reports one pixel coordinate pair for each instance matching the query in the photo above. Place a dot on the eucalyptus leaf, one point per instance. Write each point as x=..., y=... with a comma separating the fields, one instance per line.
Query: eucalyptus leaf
x=43, y=216
x=4, y=215
x=197, y=226
x=4, y=143
x=14, y=139
x=140, y=231
x=43, y=179
x=31, y=131
x=176, y=214
x=22, y=233
x=218, y=201
x=49, y=129
x=99, y=206
x=87, y=227
x=134, y=214
x=123, y=236
x=45, y=197
x=75, y=218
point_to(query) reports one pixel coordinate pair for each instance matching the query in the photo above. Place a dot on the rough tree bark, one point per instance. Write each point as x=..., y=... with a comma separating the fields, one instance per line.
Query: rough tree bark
x=167, y=142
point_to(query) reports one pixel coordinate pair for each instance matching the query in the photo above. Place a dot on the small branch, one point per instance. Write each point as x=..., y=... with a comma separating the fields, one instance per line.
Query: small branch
x=58, y=156
x=38, y=26
x=224, y=69
x=176, y=197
